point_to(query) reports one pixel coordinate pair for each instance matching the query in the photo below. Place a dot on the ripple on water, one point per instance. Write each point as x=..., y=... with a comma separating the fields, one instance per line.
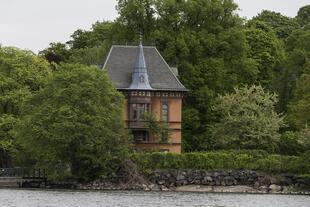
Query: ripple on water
x=49, y=198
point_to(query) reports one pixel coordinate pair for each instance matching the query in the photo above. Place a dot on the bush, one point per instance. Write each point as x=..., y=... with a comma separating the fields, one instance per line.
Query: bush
x=223, y=160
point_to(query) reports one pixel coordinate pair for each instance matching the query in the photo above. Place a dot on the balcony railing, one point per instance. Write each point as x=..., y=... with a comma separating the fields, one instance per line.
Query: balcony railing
x=137, y=124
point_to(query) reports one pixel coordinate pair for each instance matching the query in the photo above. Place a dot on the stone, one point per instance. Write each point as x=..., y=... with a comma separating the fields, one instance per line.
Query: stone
x=256, y=185
x=263, y=188
x=274, y=180
x=164, y=188
x=275, y=188
x=229, y=180
x=209, y=178
x=264, y=180
x=286, y=181
x=160, y=182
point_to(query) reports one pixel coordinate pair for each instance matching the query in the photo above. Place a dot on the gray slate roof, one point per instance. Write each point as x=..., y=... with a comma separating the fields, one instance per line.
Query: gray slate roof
x=120, y=65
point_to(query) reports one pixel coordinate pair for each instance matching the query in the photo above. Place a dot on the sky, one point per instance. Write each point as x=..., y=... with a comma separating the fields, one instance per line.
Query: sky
x=33, y=24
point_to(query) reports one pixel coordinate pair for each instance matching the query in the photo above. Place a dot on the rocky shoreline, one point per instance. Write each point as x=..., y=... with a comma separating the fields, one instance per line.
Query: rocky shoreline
x=243, y=181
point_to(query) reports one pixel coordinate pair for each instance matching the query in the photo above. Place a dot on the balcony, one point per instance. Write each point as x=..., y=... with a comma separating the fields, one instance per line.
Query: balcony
x=137, y=124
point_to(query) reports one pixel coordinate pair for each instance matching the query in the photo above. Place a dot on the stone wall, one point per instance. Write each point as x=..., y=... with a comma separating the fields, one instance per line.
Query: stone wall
x=260, y=181
x=208, y=181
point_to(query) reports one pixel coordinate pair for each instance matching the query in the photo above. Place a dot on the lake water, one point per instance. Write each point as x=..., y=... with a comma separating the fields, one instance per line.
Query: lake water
x=49, y=198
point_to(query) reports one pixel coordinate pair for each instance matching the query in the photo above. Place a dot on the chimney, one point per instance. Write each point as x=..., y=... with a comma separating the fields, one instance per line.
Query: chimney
x=175, y=71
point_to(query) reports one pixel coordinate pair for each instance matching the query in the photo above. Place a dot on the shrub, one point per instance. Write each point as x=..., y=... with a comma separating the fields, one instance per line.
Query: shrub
x=223, y=160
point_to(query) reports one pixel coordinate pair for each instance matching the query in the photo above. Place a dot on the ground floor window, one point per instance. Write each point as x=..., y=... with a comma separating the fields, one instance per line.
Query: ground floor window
x=140, y=135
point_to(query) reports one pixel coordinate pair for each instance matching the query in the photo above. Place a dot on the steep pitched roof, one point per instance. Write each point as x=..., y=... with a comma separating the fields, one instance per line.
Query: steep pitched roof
x=120, y=65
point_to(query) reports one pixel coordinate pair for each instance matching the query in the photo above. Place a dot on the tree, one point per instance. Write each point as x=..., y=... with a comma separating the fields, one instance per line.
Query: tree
x=248, y=120
x=303, y=15
x=282, y=25
x=56, y=52
x=158, y=130
x=80, y=39
x=137, y=16
x=299, y=107
x=21, y=74
x=73, y=127
x=297, y=63
x=266, y=50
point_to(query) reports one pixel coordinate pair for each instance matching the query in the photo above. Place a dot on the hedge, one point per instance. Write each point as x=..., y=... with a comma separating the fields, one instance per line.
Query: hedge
x=222, y=160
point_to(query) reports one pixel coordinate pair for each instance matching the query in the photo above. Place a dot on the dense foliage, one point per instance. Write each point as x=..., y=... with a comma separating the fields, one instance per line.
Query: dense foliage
x=72, y=127
x=224, y=160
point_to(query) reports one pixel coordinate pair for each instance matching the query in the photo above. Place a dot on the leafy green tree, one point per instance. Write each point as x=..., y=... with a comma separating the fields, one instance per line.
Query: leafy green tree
x=21, y=74
x=303, y=15
x=80, y=39
x=282, y=25
x=93, y=56
x=73, y=126
x=138, y=16
x=159, y=130
x=85, y=47
x=248, y=120
x=266, y=50
x=297, y=63
x=56, y=52
x=299, y=107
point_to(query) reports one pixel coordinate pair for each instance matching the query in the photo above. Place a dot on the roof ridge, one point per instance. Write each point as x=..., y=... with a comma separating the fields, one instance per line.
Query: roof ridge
x=107, y=58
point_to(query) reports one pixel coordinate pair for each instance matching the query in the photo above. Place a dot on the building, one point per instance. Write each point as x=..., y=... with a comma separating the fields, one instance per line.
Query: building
x=150, y=86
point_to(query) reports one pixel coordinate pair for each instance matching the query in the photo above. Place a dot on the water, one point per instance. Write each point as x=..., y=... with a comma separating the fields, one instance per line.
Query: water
x=49, y=198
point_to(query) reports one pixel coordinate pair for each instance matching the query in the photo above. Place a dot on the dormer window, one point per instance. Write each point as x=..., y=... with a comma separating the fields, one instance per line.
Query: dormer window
x=141, y=79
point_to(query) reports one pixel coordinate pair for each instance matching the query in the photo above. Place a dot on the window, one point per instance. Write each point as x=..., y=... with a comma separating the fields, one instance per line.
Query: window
x=138, y=111
x=164, y=136
x=164, y=110
x=141, y=79
x=141, y=136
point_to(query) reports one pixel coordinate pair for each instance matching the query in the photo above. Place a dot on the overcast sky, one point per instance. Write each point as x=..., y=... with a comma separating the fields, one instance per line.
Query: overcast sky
x=33, y=24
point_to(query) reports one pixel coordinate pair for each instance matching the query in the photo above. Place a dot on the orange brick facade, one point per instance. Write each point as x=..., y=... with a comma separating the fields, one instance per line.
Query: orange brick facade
x=173, y=143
